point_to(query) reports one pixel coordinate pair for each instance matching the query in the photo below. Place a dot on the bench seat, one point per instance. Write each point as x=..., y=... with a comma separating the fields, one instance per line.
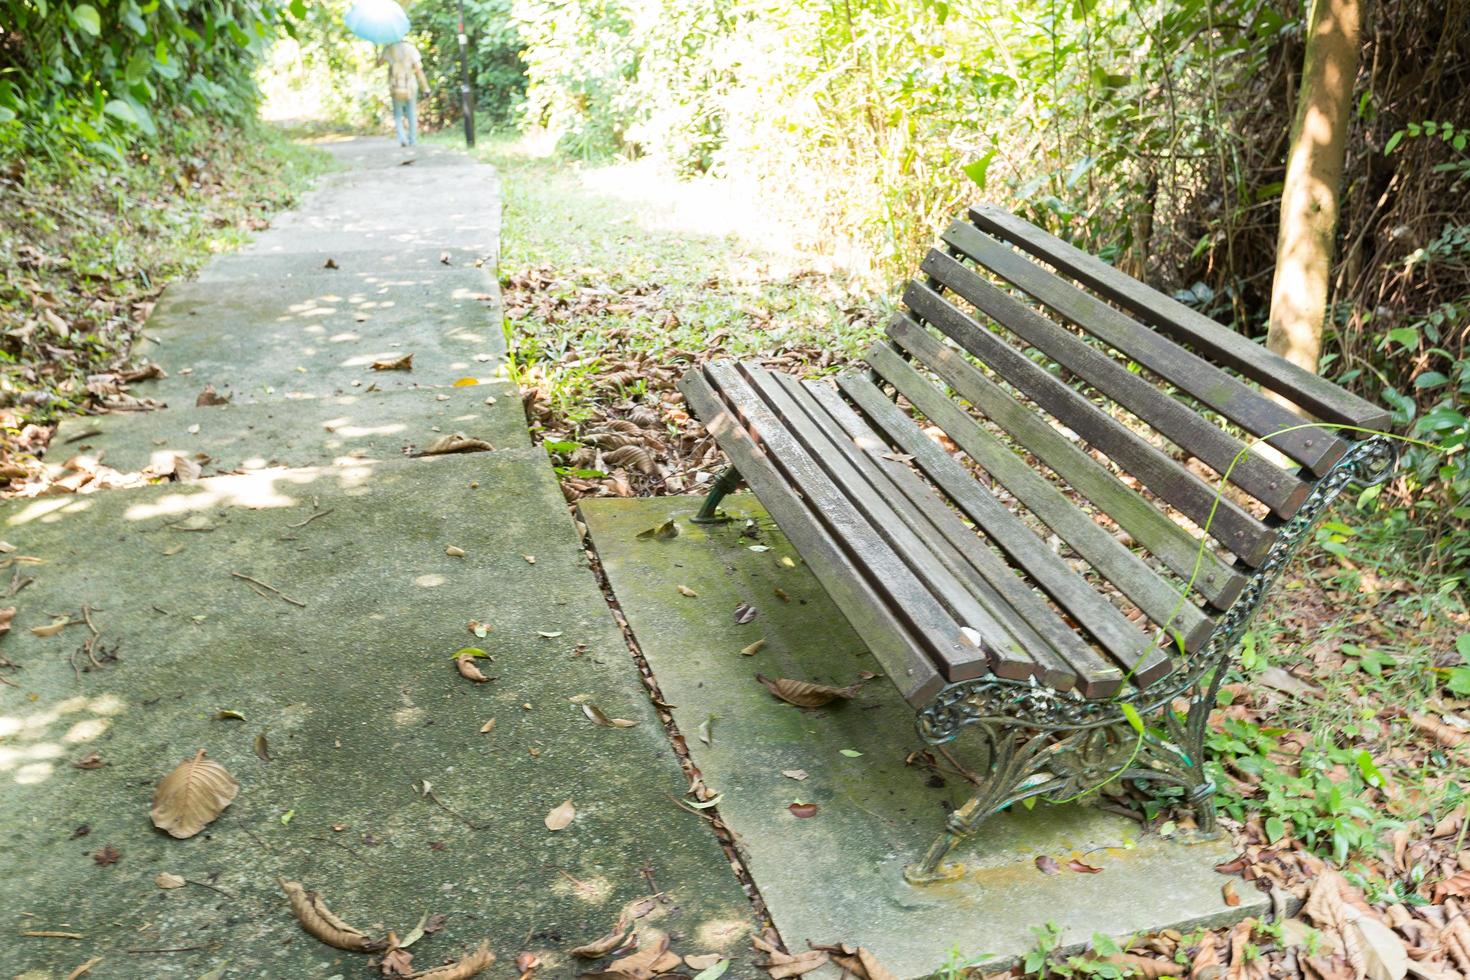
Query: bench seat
x=1053, y=499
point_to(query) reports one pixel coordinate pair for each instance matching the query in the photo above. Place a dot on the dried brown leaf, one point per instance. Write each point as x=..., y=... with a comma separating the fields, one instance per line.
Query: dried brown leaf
x=318, y=920
x=191, y=796
x=471, y=965
x=805, y=694
x=597, y=715
x=468, y=670
x=754, y=648
x=635, y=457
x=165, y=880
x=1047, y=865
x=403, y=362
x=687, y=592
x=455, y=442
x=561, y=817
x=1456, y=886
x=603, y=945
x=210, y=397
x=1147, y=967
x=1446, y=735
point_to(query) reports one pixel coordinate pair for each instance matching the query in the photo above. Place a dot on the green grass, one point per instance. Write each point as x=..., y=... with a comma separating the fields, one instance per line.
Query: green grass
x=634, y=276
x=86, y=247
x=1382, y=642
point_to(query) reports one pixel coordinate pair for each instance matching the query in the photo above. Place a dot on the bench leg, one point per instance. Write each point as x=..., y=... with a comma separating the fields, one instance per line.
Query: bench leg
x=1011, y=772
x=724, y=485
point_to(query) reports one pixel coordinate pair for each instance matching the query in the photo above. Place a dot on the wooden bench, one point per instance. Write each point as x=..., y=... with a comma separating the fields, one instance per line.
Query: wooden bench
x=1017, y=508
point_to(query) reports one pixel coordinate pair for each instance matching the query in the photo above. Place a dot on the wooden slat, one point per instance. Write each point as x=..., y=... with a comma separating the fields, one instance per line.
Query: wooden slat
x=1229, y=523
x=1174, y=546
x=1003, y=656
x=1281, y=491
x=1123, y=641
x=1315, y=448
x=1318, y=395
x=972, y=563
x=892, y=641
x=1127, y=572
x=1029, y=618
x=867, y=548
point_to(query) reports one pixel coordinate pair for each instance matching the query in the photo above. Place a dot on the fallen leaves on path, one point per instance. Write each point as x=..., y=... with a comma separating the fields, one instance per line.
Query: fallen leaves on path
x=653, y=958
x=860, y=962
x=597, y=715
x=464, y=662
x=401, y=363
x=603, y=945
x=106, y=855
x=805, y=694
x=780, y=964
x=166, y=880
x=192, y=796
x=471, y=965
x=209, y=397
x=455, y=442
x=561, y=817
x=318, y=920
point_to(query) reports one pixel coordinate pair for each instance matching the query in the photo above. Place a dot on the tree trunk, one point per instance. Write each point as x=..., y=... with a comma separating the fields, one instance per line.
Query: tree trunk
x=1309, y=198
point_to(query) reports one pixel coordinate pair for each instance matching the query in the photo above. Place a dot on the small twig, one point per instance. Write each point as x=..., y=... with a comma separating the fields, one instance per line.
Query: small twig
x=168, y=949
x=328, y=840
x=79, y=436
x=18, y=582
x=974, y=779
x=51, y=934
x=454, y=813
x=246, y=578
x=84, y=968
x=256, y=837
x=8, y=683
x=205, y=884
x=320, y=513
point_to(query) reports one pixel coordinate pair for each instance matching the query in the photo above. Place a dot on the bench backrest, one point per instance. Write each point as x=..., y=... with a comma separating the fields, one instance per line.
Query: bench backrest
x=1105, y=414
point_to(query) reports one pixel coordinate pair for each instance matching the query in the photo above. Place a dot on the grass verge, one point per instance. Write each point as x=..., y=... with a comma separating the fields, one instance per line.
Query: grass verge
x=86, y=247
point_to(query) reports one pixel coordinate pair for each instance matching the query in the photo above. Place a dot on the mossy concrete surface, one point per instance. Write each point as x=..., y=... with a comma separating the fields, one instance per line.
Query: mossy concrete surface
x=311, y=338
x=300, y=432
x=353, y=696
x=837, y=876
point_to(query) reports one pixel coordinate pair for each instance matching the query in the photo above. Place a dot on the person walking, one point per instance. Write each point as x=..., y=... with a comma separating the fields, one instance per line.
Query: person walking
x=405, y=81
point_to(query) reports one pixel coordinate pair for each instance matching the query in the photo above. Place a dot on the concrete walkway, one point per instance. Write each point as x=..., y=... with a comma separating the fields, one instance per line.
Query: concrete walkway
x=295, y=614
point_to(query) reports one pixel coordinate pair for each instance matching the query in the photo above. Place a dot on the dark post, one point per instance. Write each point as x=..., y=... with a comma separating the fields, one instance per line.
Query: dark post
x=466, y=97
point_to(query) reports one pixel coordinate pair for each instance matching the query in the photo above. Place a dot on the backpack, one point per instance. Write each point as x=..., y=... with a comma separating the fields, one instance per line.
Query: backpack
x=401, y=77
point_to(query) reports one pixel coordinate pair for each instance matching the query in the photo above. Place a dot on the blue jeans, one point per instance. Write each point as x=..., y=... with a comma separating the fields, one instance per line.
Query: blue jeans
x=405, y=115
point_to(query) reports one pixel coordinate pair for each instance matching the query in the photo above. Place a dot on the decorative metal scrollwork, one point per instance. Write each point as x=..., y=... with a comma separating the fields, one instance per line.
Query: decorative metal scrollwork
x=1042, y=742
x=992, y=700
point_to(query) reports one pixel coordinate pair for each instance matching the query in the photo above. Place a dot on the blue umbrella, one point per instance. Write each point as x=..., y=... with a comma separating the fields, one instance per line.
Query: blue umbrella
x=378, y=21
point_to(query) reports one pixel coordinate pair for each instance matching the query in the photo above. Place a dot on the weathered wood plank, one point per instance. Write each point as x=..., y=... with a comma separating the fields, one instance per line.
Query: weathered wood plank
x=1173, y=545
x=1228, y=522
x=1315, y=448
x=1125, y=570
x=868, y=549
x=1318, y=395
x=1102, y=677
x=971, y=561
x=1124, y=642
x=894, y=643
x=1002, y=655
x=1283, y=492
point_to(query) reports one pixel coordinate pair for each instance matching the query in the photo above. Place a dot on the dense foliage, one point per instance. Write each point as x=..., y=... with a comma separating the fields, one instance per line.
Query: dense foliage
x=99, y=77
x=1153, y=133
x=323, y=73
